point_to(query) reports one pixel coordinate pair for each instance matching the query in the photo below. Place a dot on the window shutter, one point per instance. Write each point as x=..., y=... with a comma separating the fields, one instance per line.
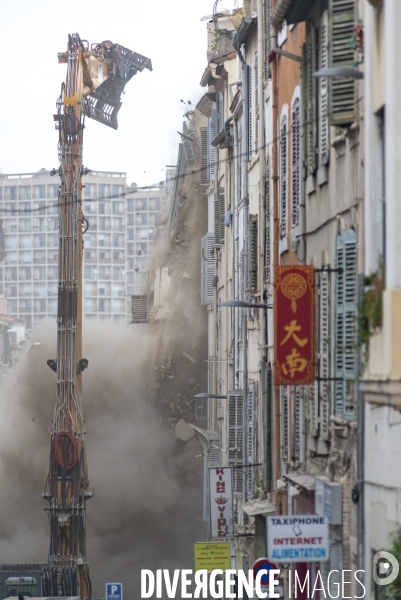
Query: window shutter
x=236, y=438
x=220, y=99
x=212, y=135
x=253, y=243
x=140, y=309
x=269, y=429
x=207, y=268
x=242, y=276
x=268, y=219
x=256, y=105
x=204, y=155
x=249, y=113
x=296, y=167
x=296, y=425
x=211, y=385
x=342, y=91
x=266, y=17
x=311, y=100
x=324, y=354
x=210, y=459
x=191, y=147
x=324, y=129
x=283, y=176
x=285, y=424
x=345, y=324
x=313, y=410
x=251, y=435
x=219, y=216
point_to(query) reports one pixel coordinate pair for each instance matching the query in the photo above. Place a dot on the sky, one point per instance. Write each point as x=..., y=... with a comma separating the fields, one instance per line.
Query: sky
x=170, y=33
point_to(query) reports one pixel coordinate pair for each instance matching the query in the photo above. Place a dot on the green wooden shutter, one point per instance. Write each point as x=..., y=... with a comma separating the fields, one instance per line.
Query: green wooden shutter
x=345, y=355
x=324, y=127
x=342, y=91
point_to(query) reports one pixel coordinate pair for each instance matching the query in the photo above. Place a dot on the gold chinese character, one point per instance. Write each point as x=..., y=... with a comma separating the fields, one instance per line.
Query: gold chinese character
x=295, y=363
x=291, y=329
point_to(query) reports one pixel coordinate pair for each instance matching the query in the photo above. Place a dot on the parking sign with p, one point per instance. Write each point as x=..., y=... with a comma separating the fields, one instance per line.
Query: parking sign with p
x=114, y=591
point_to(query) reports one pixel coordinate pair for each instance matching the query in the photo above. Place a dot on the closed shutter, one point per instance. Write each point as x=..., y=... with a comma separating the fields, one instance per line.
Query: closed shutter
x=269, y=430
x=236, y=438
x=324, y=354
x=212, y=134
x=324, y=129
x=256, y=104
x=268, y=217
x=220, y=100
x=219, y=216
x=210, y=459
x=211, y=386
x=311, y=100
x=140, y=309
x=266, y=29
x=253, y=243
x=296, y=425
x=342, y=54
x=296, y=166
x=250, y=133
x=345, y=324
x=207, y=268
x=204, y=155
x=313, y=410
x=191, y=147
x=251, y=435
x=285, y=423
x=283, y=176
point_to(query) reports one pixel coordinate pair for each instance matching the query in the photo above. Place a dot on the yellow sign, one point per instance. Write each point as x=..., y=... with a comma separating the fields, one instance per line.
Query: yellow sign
x=210, y=556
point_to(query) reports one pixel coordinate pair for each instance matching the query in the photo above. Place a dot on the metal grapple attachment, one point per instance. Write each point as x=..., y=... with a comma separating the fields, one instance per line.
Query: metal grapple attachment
x=111, y=66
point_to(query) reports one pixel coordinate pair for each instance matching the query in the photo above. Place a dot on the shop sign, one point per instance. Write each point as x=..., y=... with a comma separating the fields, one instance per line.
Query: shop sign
x=300, y=538
x=221, y=503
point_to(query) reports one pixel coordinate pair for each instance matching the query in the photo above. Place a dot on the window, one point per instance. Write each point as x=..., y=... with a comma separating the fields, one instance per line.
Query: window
x=236, y=438
x=131, y=234
x=118, y=190
x=39, y=192
x=295, y=166
x=324, y=353
x=311, y=100
x=345, y=356
x=250, y=115
x=90, y=190
x=212, y=123
x=324, y=128
x=42, y=210
x=52, y=191
x=130, y=204
x=116, y=239
x=130, y=219
x=100, y=240
x=342, y=91
x=117, y=208
x=10, y=192
x=283, y=173
x=253, y=243
x=24, y=192
x=41, y=241
x=219, y=215
x=102, y=208
x=104, y=190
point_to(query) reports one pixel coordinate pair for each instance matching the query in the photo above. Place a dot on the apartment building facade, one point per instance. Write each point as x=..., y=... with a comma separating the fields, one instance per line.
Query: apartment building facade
x=285, y=188
x=29, y=272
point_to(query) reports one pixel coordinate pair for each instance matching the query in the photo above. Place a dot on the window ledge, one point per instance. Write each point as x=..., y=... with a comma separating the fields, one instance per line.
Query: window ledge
x=322, y=175
x=310, y=184
x=252, y=162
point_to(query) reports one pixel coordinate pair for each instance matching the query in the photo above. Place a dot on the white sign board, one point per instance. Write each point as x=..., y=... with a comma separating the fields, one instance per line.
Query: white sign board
x=328, y=500
x=221, y=503
x=299, y=538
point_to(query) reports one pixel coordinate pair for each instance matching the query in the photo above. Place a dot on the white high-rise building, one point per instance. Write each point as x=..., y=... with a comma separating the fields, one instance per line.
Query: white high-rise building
x=29, y=271
x=117, y=243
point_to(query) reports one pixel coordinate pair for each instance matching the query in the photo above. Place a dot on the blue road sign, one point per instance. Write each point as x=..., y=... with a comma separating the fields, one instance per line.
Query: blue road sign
x=263, y=563
x=114, y=591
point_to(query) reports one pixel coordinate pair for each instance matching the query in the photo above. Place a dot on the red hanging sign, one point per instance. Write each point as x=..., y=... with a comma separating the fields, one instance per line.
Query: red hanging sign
x=294, y=333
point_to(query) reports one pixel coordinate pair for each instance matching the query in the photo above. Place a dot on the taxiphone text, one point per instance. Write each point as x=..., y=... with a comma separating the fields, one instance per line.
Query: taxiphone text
x=185, y=583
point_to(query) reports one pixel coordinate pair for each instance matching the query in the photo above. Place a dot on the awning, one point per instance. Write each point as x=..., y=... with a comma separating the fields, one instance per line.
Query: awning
x=305, y=481
x=259, y=507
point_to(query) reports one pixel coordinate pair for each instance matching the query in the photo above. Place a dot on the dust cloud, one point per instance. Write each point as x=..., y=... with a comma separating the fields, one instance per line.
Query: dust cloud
x=147, y=506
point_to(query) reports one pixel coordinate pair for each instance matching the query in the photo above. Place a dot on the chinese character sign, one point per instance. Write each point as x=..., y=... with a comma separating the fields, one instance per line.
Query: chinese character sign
x=221, y=503
x=294, y=325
